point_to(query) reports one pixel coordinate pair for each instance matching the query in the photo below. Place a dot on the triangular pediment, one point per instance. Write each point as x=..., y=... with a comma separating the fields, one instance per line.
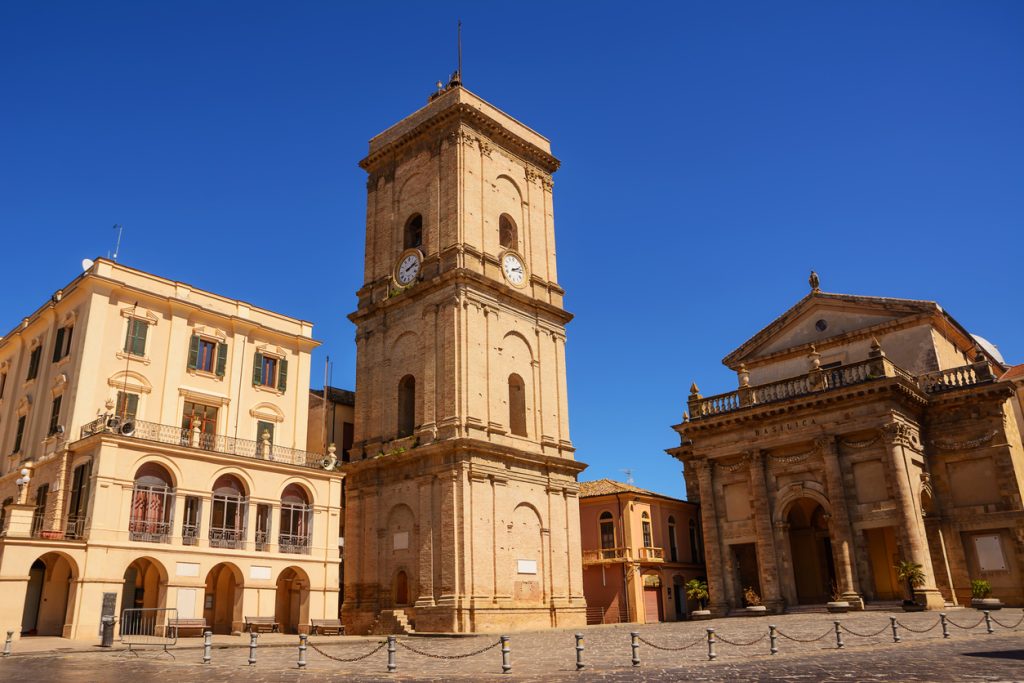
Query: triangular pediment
x=821, y=316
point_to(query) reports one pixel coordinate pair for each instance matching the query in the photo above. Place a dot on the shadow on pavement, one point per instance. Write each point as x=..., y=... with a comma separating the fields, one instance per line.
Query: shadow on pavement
x=998, y=654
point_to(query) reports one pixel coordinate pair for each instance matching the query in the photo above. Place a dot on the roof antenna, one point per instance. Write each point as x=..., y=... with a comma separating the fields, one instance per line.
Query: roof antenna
x=629, y=476
x=117, y=247
x=460, y=51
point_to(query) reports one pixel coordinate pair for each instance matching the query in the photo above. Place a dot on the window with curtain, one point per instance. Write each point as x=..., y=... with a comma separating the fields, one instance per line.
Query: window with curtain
x=227, y=519
x=296, y=514
x=152, y=505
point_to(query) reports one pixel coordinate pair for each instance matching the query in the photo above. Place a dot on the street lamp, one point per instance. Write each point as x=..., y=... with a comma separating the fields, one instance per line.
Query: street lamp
x=24, y=479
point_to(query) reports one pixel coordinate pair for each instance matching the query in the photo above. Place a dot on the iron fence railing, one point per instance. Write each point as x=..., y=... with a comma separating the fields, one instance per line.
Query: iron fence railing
x=227, y=538
x=149, y=532
x=293, y=543
x=190, y=534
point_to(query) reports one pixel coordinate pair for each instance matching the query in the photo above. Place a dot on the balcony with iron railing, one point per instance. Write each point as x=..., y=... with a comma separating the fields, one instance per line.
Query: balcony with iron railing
x=233, y=539
x=195, y=438
x=618, y=555
x=145, y=531
x=71, y=528
x=819, y=380
x=298, y=544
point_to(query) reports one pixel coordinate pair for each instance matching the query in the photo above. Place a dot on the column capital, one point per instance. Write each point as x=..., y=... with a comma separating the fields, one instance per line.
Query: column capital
x=900, y=433
x=825, y=444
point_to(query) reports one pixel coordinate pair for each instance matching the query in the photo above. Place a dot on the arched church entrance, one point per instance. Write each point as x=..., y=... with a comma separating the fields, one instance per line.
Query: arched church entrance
x=291, y=609
x=401, y=589
x=49, y=595
x=223, y=602
x=811, y=549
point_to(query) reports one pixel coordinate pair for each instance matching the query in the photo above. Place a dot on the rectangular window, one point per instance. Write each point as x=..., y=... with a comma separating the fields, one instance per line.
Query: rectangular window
x=62, y=343
x=190, y=525
x=269, y=372
x=40, y=512
x=648, y=543
x=18, y=434
x=135, y=341
x=127, y=405
x=79, y=501
x=262, y=526
x=152, y=511
x=673, y=549
x=607, y=535
x=33, y=363
x=55, y=416
x=227, y=521
x=204, y=417
x=204, y=359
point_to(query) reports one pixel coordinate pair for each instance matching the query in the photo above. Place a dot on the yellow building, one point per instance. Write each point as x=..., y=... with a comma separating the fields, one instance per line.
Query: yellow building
x=159, y=428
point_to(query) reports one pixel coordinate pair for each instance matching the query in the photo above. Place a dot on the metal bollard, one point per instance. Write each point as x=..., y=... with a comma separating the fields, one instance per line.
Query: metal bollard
x=252, y=648
x=839, y=636
x=506, y=655
x=945, y=626
x=579, y=652
x=895, y=635
x=711, y=644
x=391, y=654
x=988, y=621
x=773, y=641
x=634, y=638
x=7, y=643
x=207, y=646
x=302, y=650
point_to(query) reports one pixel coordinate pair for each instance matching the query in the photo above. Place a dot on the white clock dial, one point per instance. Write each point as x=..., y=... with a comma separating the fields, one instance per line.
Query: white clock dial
x=408, y=269
x=513, y=268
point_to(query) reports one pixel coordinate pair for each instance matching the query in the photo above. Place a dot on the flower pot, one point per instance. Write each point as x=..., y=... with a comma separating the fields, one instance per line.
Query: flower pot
x=700, y=614
x=756, y=611
x=989, y=604
x=838, y=607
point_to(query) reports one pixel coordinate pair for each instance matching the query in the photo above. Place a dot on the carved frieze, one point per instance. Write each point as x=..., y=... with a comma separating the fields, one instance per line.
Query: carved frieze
x=966, y=445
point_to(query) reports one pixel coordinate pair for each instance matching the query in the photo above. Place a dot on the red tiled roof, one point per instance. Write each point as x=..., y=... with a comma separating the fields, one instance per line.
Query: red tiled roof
x=1014, y=373
x=604, y=487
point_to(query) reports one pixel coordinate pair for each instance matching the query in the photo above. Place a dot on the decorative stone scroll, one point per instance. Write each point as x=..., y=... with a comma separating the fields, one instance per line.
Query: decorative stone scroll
x=950, y=445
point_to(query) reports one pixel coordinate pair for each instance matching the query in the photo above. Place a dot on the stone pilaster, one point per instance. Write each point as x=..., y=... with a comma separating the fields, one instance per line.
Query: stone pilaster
x=760, y=507
x=842, y=534
x=717, y=581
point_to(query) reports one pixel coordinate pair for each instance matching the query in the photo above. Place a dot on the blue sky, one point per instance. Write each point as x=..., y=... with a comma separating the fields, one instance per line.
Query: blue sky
x=713, y=153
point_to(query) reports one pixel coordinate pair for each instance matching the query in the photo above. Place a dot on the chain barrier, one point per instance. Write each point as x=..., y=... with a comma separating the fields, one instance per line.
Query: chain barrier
x=914, y=630
x=1019, y=622
x=864, y=635
x=824, y=635
x=380, y=646
x=725, y=640
x=966, y=628
x=700, y=639
x=465, y=656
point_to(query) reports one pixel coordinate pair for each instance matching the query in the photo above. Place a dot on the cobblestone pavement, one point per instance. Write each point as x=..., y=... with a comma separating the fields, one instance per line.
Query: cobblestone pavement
x=806, y=643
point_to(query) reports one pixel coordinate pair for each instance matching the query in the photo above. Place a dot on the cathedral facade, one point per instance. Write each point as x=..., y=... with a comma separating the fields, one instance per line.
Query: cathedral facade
x=462, y=510
x=864, y=432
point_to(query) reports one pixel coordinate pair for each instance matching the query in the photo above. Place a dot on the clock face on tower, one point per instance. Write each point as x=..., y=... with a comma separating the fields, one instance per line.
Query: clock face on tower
x=408, y=267
x=513, y=268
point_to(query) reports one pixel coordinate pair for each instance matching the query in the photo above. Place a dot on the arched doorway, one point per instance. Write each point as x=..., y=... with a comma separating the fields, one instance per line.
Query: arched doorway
x=223, y=602
x=49, y=596
x=813, y=567
x=401, y=589
x=145, y=587
x=291, y=605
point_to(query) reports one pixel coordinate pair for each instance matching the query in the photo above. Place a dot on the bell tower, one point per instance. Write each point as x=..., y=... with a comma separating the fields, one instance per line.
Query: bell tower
x=462, y=510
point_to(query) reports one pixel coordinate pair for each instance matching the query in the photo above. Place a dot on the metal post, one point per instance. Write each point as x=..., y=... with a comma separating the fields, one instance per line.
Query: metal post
x=506, y=655
x=579, y=652
x=634, y=639
x=302, y=650
x=895, y=635
x=711, y=643
x=252, y=648
x=839, y=636
x=945, y=626
x=391, y=654
x=207, y=646
x=988, y=621
x=773, y=640
x=7, y=643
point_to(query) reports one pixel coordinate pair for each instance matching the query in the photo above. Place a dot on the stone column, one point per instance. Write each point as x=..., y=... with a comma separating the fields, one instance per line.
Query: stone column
x=842, y=535
x=718, y=583
x=785, y=563
x=898, y=437
x=766, y=556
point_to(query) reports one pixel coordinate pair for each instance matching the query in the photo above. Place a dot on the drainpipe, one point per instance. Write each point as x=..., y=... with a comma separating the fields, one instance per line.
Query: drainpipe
x=625, y=565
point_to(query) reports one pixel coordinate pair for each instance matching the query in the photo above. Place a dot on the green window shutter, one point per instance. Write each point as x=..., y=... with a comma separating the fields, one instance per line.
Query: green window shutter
x=257, y=369
x=282, y=374
x=141, y=330
x=129, y=336
x=58, y=344
x=222, y=358
x=193, y=352
x=133, y=406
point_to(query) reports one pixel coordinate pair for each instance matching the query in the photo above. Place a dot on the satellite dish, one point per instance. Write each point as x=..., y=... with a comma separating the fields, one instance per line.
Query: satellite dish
x=86, y=264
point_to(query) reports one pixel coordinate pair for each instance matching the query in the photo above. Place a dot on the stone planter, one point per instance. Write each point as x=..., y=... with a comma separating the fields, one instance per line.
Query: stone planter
x=989, y=604
x=838, y=607
x=756, y=611
x=700, y=614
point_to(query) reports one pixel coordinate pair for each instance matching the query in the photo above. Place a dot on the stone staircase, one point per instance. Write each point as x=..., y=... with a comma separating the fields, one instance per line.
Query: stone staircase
x=391, y=622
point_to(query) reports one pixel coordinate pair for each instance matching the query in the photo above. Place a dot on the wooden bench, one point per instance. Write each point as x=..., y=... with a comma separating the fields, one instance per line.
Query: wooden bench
x=176, y=625
x=327, y=627
x=261, y=625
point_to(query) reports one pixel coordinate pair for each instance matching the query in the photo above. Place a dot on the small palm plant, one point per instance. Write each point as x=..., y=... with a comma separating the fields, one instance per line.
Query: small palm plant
x=697, y=589
x=912, y=573
x=980, y=589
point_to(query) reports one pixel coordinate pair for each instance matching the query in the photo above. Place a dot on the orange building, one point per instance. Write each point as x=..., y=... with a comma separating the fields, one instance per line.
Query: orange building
x=639, y=549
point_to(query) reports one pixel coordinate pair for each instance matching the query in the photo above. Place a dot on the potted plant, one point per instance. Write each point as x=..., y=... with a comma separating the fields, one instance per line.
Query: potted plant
x=753, y=602
x=837, y=604
x=697, y=589
x=980, y=592
x=912, y=573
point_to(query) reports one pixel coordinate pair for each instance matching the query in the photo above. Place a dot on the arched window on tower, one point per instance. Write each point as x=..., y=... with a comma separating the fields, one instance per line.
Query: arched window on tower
x=406, y=406
x=516, y=405
x=414, y=231
x=508, y=234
